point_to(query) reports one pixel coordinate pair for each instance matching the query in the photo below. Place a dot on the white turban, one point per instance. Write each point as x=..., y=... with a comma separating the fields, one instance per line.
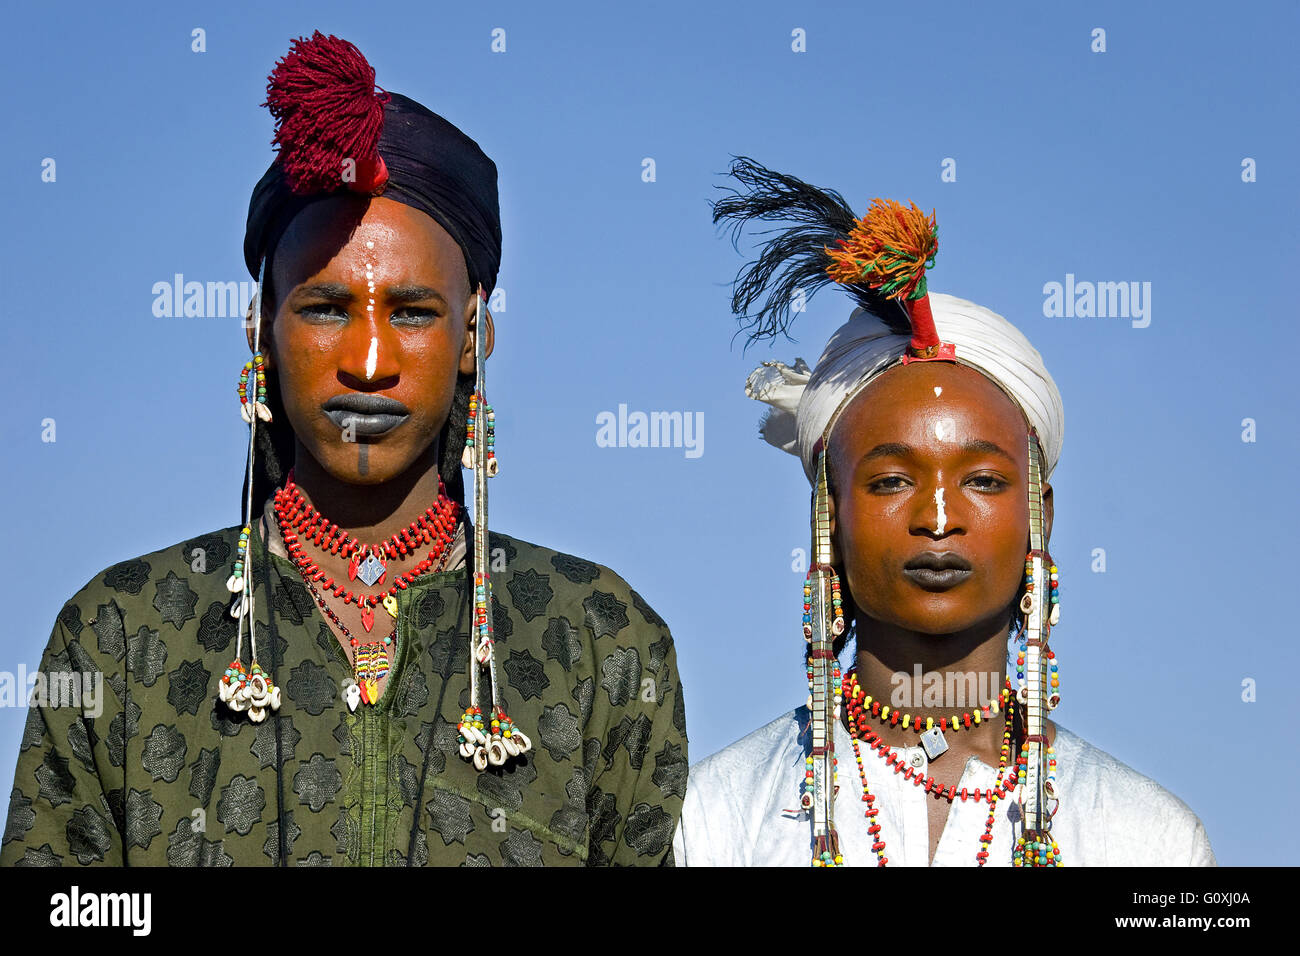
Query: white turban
x=804, y=400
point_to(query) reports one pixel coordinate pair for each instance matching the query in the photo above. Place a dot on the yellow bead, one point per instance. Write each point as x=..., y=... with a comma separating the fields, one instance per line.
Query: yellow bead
x=907, y=720
x=884, y=711
x=929, y=723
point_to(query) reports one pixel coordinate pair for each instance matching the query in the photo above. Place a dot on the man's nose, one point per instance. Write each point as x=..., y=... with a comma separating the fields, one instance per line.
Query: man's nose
x=369, y=350
x=936, y=508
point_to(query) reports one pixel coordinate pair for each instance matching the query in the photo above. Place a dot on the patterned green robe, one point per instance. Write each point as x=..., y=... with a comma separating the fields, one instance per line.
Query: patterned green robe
x=165, y=775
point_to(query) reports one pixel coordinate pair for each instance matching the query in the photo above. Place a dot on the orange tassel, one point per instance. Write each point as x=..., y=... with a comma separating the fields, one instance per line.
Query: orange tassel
x=889, y=249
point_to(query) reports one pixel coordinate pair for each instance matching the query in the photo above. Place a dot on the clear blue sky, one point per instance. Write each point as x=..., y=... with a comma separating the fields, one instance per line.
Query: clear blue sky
x=1117, y=166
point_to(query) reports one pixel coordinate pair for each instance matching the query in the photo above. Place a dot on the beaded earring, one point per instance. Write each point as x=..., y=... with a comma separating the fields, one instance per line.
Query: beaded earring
x=249, y=690
x=1037, y=691
x=494, y=740
x=823, y=622
x=489, y=434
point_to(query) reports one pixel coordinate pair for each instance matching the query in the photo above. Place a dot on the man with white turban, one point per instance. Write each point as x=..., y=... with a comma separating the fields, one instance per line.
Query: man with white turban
x=895, y=398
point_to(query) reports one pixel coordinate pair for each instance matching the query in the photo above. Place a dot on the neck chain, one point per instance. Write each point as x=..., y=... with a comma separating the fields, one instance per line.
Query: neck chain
x=855, y=712
x=437, y=526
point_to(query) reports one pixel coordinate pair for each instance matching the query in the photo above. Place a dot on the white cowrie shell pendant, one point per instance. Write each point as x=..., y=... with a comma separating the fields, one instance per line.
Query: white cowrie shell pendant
x=496, y=752
x=480, y=758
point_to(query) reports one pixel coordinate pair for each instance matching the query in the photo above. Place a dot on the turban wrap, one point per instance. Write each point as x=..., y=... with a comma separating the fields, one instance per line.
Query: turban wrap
x=432, y=166
x=805, y=402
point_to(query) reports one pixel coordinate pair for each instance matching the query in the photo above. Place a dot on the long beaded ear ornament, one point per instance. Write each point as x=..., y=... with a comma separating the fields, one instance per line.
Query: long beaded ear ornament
x=249, y=690
x=496, y=739
x=1039, y=688
x=823, y=622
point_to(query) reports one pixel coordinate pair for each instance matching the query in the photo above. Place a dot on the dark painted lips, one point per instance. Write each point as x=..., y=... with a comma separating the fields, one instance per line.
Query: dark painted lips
x=367, y=414
x=937, y=570
x=933, y=580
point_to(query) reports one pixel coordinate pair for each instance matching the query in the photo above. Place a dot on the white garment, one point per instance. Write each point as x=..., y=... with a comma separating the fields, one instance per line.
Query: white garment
x=737, y=809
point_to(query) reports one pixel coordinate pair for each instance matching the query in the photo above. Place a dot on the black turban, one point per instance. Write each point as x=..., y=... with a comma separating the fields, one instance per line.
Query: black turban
x=432, y=166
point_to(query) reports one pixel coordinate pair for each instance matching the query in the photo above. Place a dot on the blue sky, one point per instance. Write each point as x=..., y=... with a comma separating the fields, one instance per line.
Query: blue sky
x=1124, y=165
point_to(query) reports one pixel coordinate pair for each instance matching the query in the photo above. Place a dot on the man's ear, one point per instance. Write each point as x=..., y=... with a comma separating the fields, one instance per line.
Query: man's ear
x=467, y=363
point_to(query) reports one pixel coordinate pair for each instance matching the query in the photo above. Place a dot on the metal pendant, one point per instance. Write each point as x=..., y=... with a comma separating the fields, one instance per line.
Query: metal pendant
x=371, y=570
x=933, y=742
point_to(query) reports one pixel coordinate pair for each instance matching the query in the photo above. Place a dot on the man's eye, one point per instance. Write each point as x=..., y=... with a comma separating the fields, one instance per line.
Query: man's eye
x=992, y=483
x=883, y=484
x=323, y=312
x=414, y=316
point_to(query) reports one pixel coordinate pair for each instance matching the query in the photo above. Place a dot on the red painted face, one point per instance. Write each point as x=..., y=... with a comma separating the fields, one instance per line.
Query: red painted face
x=915, y=465
x=373, y=305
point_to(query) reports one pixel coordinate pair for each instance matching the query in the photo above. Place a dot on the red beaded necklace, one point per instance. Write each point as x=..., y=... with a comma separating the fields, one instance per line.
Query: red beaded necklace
x=855, y=712
x=437, y=526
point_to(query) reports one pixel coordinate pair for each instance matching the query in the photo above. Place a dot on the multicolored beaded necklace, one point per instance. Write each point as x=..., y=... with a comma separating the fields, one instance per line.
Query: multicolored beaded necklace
x=370, y=660
x=932, y=738
x=856, y=712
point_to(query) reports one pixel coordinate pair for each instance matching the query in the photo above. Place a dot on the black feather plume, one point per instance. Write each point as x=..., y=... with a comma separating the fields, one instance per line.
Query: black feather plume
x=794, y=260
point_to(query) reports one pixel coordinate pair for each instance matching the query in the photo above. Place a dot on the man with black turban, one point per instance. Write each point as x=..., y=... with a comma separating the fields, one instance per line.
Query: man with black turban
x=358, y=674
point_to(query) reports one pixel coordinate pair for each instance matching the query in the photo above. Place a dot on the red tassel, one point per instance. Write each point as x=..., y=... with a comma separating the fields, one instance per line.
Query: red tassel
x=322, y=95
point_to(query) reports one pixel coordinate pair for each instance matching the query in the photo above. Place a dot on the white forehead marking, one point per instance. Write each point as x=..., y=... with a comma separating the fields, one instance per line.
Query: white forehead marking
x=943, y=429
x=942, y=521
x=370, y=244
x=372, y=358
x=938, y=390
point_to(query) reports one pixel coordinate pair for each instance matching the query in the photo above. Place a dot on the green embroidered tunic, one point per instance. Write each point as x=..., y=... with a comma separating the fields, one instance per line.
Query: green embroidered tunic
x=165, y=775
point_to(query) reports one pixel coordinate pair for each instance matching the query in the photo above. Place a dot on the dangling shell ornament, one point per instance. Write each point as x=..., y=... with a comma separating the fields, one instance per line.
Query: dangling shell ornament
x=249, y=690
x=263, y=696
x=490, y=745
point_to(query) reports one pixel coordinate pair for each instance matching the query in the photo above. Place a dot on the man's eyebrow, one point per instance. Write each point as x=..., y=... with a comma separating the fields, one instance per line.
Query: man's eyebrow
x=338, y=292
x=893, y=449
x=413, y=293
x=334, y=291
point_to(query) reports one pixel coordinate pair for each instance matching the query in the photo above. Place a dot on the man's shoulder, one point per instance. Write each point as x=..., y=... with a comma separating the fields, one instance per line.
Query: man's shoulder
x=737, y=767
x=1132, y=804
x=1088, y=767
x=606, y=600
x=198, y=563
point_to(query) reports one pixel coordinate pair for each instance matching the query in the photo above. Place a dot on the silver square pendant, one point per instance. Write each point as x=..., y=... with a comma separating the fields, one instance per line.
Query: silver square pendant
x=370, y=570
x=933, y=742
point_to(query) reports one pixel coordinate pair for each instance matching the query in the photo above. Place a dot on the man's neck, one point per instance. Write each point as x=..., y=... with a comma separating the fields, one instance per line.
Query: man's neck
x=933, y=675
x=369, y=512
